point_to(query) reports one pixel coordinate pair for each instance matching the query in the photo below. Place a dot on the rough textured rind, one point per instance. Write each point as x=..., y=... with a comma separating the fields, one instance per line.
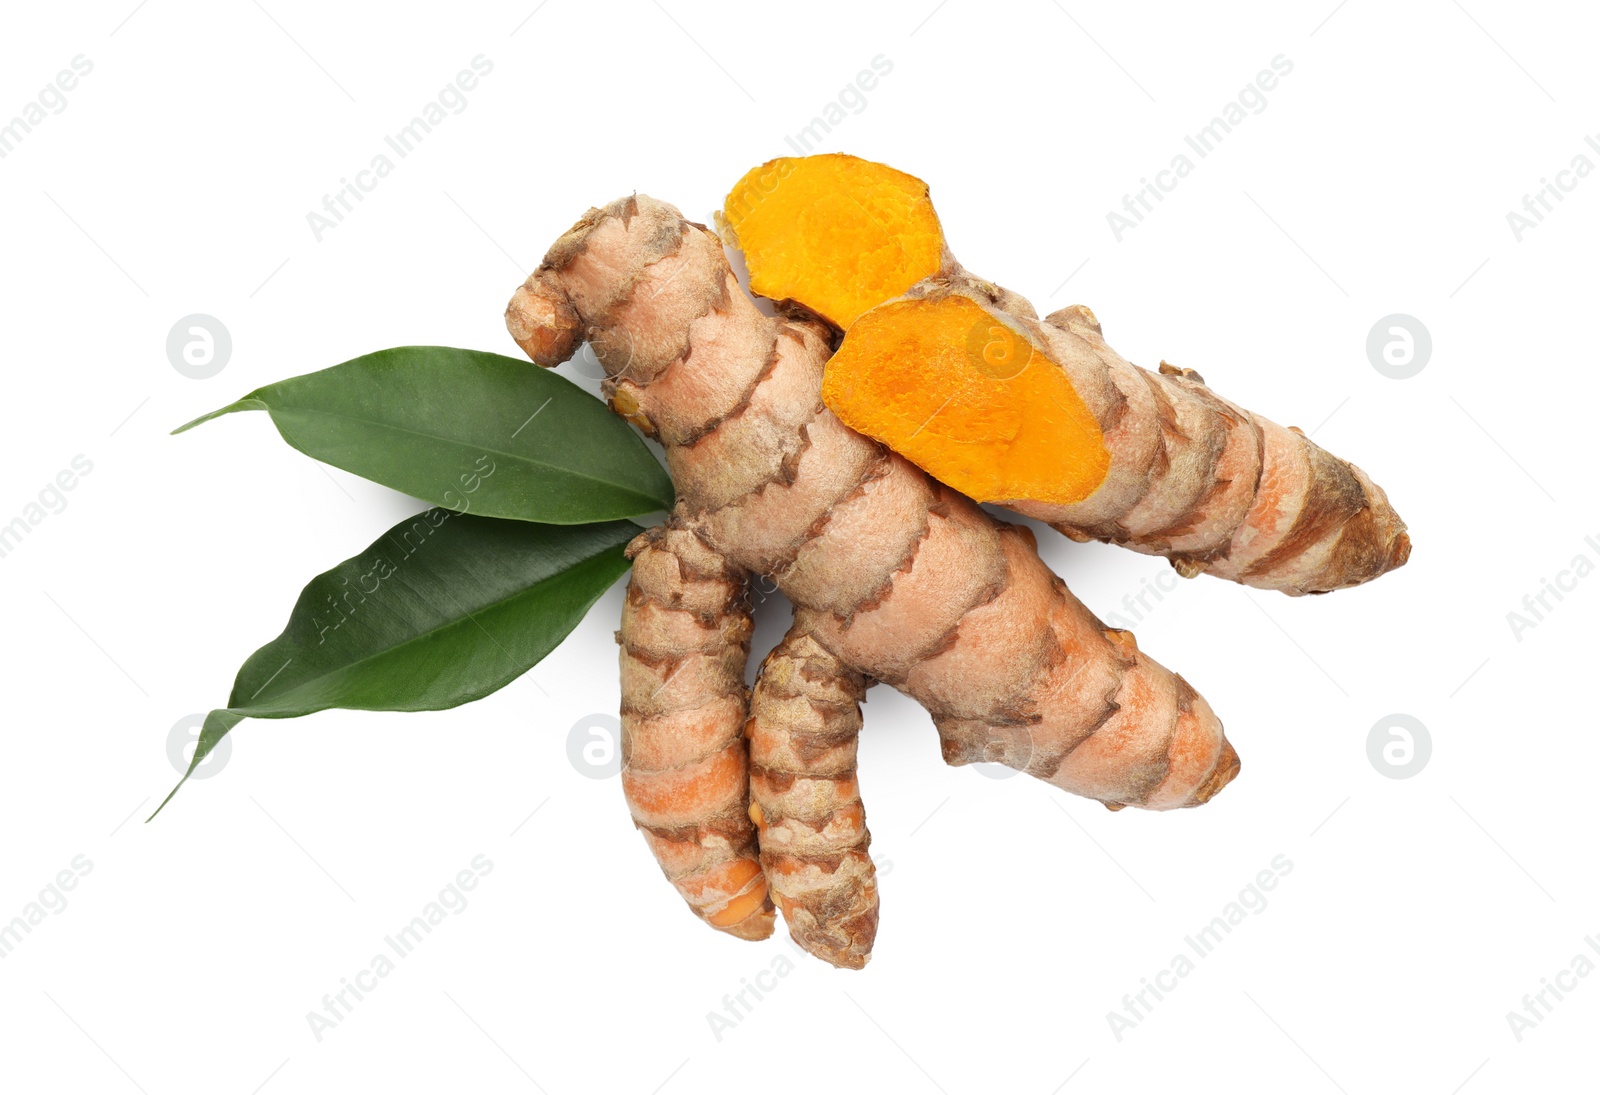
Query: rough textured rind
x=1276, y=510
x=894, y=577
x=685, y=638
x=1192, y=477
x=805, y=716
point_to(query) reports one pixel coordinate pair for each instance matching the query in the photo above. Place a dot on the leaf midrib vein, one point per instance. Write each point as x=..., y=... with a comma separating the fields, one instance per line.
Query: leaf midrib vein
x=431, y=632
x=468, y=445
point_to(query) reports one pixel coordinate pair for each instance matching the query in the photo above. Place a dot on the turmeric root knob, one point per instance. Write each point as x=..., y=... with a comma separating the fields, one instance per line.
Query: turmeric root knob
x=960, y=391
x=543, y=322
x=836, y=233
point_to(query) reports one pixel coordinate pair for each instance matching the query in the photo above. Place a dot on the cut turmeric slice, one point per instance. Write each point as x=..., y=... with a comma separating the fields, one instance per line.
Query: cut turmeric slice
x=964, y=392
x=835, y=233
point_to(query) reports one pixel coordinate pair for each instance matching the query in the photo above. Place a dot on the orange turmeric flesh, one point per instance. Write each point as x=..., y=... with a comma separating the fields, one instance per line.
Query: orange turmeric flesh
x=836, y=233
x=966, y=396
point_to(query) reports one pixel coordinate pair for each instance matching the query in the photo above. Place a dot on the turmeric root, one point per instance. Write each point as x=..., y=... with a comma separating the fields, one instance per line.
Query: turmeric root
x=685, y=637
x=962, y=378
x=805, y=715
x=894, y=578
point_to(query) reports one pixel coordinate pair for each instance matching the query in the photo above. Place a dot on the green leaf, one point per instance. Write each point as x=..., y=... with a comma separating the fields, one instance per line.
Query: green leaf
x=470, y=431
x=443, y=609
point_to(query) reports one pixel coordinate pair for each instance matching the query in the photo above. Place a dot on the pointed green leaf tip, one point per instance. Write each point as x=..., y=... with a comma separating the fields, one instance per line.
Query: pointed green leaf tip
x=248, y=403
x=442, y=609
x=469, y=431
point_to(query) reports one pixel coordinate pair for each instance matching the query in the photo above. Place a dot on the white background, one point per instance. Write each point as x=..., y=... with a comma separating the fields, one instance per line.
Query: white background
x=1376, y=181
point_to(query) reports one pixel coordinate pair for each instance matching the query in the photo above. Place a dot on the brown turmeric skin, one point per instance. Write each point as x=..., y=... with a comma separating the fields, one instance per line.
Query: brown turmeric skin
x=963, y=378
x=894, y=577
